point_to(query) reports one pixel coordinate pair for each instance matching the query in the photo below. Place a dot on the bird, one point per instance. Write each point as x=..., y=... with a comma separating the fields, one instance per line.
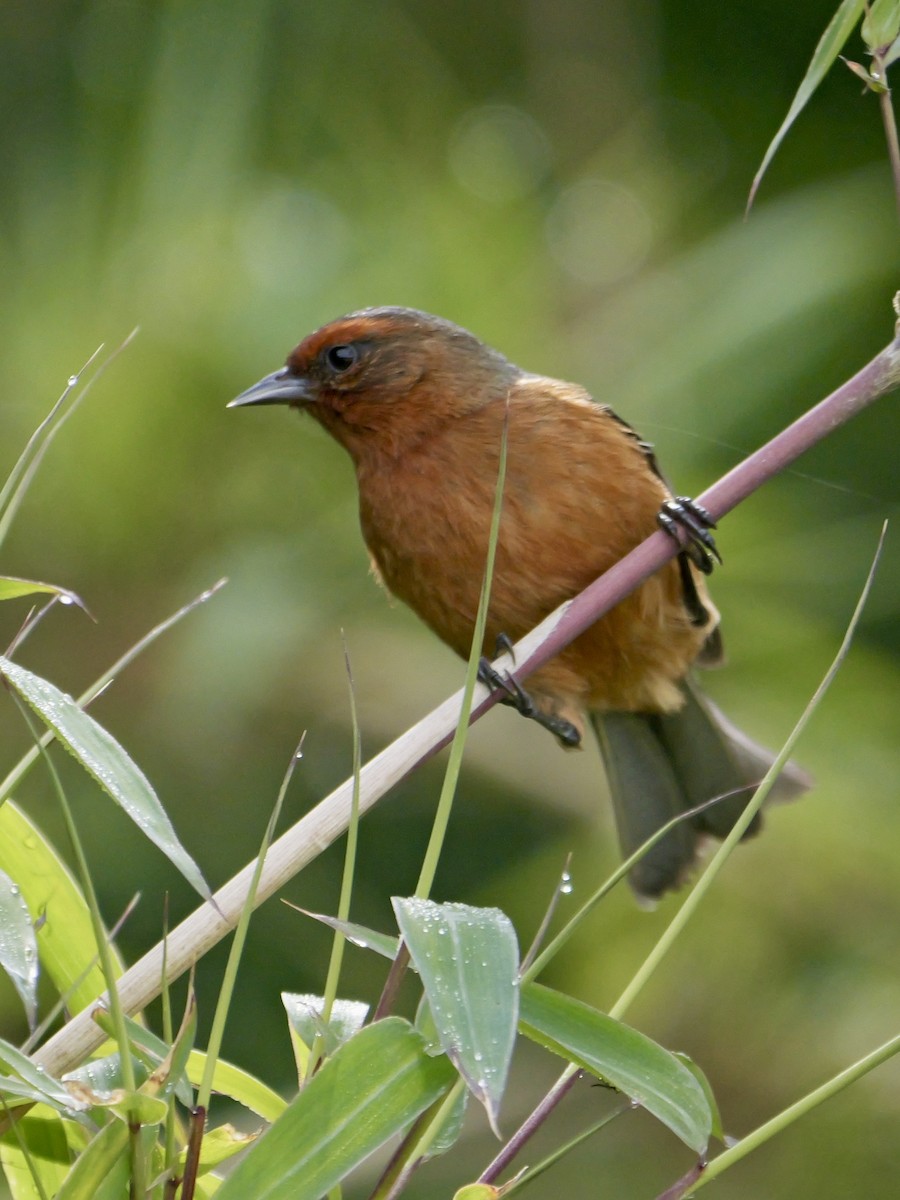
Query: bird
x=422, y=406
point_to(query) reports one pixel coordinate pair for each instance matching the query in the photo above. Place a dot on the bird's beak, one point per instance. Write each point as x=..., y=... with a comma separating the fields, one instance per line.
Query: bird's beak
x=281, y=387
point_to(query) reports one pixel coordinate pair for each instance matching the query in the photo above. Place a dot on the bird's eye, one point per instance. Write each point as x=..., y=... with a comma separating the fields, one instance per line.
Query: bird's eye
x=341, y=358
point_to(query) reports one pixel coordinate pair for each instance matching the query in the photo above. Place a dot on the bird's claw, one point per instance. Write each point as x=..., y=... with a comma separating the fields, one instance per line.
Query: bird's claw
x=683, y=516
x=503, y=645
x=515, y=695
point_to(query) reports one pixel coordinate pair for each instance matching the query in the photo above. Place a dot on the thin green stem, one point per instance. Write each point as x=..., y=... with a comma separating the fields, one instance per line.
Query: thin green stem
x=104, y=949
x=39, y=443
x=533, y=969
x=454, y=764
x=27, y=761
x=687, y=910
x=391, y=1187
x=799, y=1109
x=529, y=1174
x=237, y=946
x=337, y=946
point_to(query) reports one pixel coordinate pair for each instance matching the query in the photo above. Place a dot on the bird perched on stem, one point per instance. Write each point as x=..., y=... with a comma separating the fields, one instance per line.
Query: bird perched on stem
x=420, y=404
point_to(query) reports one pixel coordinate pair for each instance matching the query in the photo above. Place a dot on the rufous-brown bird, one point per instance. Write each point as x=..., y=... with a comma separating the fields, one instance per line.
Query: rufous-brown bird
x=420, y=405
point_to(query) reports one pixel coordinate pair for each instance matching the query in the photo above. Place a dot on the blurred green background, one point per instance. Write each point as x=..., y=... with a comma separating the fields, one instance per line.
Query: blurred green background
x=568, y=180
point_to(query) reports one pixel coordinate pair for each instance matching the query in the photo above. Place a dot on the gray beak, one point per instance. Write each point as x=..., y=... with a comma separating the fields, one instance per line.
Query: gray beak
x=281, y=387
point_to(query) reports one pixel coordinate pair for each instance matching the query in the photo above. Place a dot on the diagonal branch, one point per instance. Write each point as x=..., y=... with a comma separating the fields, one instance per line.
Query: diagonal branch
x=305, y=840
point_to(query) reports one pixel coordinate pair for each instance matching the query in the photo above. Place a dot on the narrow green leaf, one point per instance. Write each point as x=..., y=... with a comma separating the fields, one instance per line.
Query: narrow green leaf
x=20, y=1066
x=619, y=1055
x=68, y=951
x=359, y=935
x=450, y=1131
x=106, y=1154
x=220, y=1144
x=373, y=1087
x=830, y=45
x=44, y=1134
x=468, y=961
x=18, y=945
x=104, y=759
x=12, y=588
x=239, y=1085
x=717, y=1130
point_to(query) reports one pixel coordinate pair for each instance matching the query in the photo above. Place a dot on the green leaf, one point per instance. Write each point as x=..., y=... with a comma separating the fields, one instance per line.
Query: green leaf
x=38, y=1082
x=99, y=1081
x=104, y=759
x=373, y=1087
x=151, y=1051
x=881, y=24
x=44, y=1134
x=103, y=1164
x=68, y=951
x=305, y=1016
x=359, y=935
x=717, y=1129
x=239, y=1085
x=891, y=54
x=468, y=961
x=18, y=945
x=220, y=1144
x=449, y=1133
x=12, y=588
x=829, y=47
x=622, y=1057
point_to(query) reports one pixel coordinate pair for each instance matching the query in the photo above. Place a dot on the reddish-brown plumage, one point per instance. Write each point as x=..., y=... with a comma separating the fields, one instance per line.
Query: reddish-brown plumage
x=420, y=406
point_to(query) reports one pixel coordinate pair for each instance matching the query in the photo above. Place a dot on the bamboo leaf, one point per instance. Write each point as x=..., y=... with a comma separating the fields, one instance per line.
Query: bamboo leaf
x=12, y=588
x=622, y=1057
x=374, y=1086
x=468, y=961
x=68, y=952
x=18, y=945
x=104, y=759
x=830, y=45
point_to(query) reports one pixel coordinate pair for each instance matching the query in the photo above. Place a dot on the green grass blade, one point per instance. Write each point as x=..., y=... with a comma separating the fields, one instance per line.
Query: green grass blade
x=635, y=1065
x=68, y=950
x=104, y=759
x=240, y=937
x=794, y=1112
x=457, y=746
x=717, y=862
x=28, y=760
x=371, y=1089
x=18, y=945
x=830, y=45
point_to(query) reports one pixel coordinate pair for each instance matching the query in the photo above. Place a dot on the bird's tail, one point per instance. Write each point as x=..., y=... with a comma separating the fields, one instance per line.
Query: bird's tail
x=661, y=765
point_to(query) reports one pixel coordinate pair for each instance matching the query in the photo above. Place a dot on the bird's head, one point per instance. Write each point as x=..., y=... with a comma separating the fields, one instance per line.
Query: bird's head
x=382, y=378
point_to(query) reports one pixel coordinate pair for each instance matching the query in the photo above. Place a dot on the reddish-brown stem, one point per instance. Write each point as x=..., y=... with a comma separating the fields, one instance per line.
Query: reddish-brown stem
x=530, y=1126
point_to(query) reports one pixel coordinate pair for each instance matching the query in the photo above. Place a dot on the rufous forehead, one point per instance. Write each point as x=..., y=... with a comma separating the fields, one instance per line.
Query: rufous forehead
x=349, y=329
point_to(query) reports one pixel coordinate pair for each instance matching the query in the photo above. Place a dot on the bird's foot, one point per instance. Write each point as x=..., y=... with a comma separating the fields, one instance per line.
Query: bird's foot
x=683, y=516
x=515, y=695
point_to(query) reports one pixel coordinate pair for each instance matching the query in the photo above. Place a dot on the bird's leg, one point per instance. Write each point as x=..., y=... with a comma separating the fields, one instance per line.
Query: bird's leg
x=516, y=696
x=684, y=514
